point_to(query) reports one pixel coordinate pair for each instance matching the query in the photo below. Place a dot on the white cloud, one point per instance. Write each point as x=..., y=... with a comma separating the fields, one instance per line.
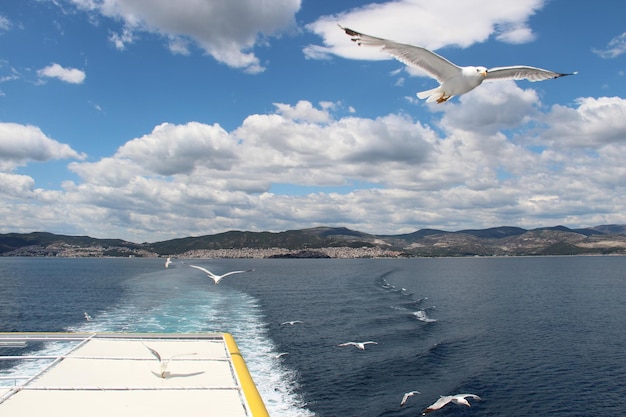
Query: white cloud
x=22, y=143
x=490, y=108
x=226, y=30
x=14, y=185
x=5, y=24
x=594, y=123
x=13, y=74
x=68, y=75
x=615, y=47
x=515, y=34
x=167, y=150
x=304, y=111
x=432, y=24
x=520, y=164
x=178, y=45
x=120, y=40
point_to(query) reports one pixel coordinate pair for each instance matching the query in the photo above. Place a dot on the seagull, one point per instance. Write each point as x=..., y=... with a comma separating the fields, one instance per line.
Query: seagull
x=163, y=363
x=359, y=345
x=445, y=399
x=291, y=323
x=280, y=355
x=407, y=396
x=453, y=79
x=87, y=316
x=217, y=278
x=168, y=262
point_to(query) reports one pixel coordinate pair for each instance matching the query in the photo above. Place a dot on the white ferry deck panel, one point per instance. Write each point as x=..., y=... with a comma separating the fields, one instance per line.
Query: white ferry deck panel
x=116, y=375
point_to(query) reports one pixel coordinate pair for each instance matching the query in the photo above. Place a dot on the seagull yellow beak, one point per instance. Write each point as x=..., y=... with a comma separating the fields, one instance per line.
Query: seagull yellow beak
x=484, y=74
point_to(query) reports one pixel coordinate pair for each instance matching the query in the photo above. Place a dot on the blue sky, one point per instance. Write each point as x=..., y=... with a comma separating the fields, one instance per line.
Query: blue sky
x=149, y=119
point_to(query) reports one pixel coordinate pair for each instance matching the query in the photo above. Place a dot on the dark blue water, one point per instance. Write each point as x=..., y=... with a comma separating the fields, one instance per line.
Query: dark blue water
x=531, y=336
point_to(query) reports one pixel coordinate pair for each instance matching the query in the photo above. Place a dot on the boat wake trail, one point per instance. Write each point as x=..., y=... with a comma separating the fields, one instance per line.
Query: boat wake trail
x=181, y=303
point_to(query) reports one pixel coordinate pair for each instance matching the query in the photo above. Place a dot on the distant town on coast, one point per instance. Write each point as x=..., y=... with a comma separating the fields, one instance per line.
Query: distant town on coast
x=334, y=242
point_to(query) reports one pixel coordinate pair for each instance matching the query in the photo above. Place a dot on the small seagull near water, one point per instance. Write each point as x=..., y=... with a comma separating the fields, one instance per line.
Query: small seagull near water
x=168, y=262
x=215, y=277
x=445, y=399
x=453, y=79
x=406, y=397
x=359, y=345
x=88, y=317
x=163, y=363
x=280, y=355
x=291, y=323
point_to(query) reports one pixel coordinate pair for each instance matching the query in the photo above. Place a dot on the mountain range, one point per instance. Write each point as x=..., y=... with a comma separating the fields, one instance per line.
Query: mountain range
x=334, y=242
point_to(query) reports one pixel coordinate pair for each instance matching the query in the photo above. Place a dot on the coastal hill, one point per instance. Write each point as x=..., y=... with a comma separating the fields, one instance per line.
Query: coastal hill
x=334, y=242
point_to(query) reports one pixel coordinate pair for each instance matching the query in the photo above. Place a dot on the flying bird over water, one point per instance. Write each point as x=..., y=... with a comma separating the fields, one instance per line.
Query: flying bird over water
x=217, y=278
x=445, y=399
x=453, y=79
x=359, y=345
x=291, y=323
x=406, y=397
x=164, y=362
x=168, y=262
x=87, y=316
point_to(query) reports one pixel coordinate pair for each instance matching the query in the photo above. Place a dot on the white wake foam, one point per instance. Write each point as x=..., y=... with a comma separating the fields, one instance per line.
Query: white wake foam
x=422, y=316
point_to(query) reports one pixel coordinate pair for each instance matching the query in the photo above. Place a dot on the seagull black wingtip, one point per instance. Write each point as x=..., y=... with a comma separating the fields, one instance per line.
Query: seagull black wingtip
x=350, y=32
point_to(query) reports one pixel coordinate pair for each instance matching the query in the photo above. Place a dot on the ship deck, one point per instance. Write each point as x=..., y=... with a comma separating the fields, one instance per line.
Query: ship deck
x=118, y=375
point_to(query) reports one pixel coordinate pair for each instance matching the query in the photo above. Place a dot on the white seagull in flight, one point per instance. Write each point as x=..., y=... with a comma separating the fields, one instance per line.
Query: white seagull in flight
x=163, y=363
x=168, y=262
x=217, y=278
x=359, y=345
x=291, y=323
x=406, y=397
x=453, y=79
x=445, y=399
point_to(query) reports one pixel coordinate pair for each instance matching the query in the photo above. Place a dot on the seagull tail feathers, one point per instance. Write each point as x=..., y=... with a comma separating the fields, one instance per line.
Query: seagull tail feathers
x=431, y=95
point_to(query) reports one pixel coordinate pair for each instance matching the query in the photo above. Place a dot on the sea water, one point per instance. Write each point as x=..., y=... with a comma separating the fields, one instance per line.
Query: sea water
x=530, y=336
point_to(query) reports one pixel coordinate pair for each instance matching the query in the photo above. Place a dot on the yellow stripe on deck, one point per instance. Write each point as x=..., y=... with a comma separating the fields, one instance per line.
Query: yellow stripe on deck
x=255, y=402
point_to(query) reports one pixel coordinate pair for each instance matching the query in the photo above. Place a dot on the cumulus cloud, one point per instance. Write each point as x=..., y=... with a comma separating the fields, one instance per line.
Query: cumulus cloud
x=167, y=150
x=14, y=185
x=68, y=75
x=427, y=23
x=22, y=143
x=303, y=111
x=594, y=123
x=491, y=108
x=389, y=174
x=615, y=47
x=226, y=30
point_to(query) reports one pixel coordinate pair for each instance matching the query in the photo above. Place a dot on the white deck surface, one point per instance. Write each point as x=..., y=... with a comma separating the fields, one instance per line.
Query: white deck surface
x=117, y=376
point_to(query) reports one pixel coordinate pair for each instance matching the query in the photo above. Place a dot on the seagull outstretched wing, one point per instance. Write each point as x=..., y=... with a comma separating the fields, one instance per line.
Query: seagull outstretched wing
x=435, y=65
x=406, y=397
x=521, y=72
x=217, y=278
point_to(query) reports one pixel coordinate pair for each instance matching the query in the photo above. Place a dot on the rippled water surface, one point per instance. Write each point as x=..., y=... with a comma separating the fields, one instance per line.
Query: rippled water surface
x=530, y=336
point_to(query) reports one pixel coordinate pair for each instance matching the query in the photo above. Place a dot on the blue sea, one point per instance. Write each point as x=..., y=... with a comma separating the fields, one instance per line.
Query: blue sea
x=531, y=336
